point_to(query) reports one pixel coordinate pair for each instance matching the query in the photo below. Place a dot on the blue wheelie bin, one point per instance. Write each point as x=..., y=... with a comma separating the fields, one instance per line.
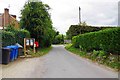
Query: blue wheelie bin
x=14, y=52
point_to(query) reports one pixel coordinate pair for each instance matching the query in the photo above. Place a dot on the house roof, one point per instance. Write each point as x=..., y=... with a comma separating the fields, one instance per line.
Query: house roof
x=9, y=14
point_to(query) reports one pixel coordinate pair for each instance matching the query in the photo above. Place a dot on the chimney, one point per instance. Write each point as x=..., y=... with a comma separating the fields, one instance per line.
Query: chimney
x=6, y=10
x=6, y=17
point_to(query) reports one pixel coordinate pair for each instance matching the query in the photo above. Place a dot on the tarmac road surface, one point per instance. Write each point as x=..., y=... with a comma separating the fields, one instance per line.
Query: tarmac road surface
x=59, y=63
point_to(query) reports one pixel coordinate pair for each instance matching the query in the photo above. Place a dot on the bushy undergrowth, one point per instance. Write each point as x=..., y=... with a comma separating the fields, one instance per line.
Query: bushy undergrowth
x=8, y=38
x=11, y=36
x=20, y=35
x=99, y=56
x=107, y=40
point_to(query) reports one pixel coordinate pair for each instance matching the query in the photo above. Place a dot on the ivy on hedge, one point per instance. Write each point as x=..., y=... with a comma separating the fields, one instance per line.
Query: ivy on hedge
x=107, y=40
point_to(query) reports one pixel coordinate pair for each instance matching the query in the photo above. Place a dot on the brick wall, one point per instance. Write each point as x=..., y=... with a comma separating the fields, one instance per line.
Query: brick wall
x=6, y=17
x=14, y=22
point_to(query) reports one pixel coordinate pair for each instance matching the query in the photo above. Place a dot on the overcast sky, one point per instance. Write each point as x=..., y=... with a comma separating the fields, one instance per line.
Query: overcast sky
x=65, y=12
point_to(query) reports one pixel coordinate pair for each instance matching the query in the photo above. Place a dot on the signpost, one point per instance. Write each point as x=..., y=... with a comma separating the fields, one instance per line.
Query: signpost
x=29, y=42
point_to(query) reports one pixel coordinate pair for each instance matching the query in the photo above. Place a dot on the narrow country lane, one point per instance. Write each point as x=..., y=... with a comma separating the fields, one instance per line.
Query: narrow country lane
x=59, y=63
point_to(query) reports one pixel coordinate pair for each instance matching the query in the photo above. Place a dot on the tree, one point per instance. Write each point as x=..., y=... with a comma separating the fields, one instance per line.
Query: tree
x=36, y=19
x=59, y=39
x=82, y=28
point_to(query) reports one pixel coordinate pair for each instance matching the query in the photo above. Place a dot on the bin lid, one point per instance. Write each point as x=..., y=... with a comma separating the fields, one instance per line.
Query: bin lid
x=5, y=48
x=19, y=45
x=12, y=47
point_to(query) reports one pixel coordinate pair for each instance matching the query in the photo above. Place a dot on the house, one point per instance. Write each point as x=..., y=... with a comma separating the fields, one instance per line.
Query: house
x=6, y=19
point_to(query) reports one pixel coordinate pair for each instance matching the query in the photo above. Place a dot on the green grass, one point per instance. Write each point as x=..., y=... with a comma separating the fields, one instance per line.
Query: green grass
x=114, y=64
x=77, y=51
x=41, y=52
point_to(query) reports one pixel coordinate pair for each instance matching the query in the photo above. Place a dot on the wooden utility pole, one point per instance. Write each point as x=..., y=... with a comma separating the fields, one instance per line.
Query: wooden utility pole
x=119, y=13
x=24, y=46
x=79, y=15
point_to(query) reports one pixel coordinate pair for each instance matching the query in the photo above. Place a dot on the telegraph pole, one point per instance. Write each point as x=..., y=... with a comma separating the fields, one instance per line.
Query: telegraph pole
x=9, y=6
x=79, y=15
x=119, y=13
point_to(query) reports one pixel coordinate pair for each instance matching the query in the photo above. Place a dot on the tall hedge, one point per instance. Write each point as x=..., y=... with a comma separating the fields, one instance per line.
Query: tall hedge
x=20, y=35
x=107, y=40
x=15, y=36
x=8, y=38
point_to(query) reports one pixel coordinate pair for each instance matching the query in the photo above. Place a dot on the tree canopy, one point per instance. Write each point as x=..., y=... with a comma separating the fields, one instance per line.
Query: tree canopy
x=59, y=39
x=36, y=19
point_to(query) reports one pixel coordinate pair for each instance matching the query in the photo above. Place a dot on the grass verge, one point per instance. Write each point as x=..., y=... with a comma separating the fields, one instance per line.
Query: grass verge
x=110, y=61
x=70, y=48
x=41, y=52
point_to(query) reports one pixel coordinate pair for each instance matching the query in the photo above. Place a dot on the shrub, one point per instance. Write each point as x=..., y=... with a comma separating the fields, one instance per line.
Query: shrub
x=107, y=40
x=8, y=38
x=99, y=56
x=102, y=53
x=113, y=61
x=75, y=41
x=11, y=36
x=94, y=55
x=59, y=39
x=10, y=28
x=111, y=40
x=20, y=35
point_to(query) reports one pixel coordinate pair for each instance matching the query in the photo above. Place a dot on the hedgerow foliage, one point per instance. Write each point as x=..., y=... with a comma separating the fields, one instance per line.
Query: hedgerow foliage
x=99, y=56
x=20, y=35
x=8, y=38
x=11, y=36
x=107, y=40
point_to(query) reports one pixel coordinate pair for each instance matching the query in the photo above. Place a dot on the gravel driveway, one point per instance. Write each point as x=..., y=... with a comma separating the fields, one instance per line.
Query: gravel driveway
x=59, y=63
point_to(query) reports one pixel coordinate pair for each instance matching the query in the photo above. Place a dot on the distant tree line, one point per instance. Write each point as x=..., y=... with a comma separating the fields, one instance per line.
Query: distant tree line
x=58, y=39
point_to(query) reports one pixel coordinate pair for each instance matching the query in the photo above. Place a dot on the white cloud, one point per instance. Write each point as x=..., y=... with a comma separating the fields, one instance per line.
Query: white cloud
x=65, y=12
